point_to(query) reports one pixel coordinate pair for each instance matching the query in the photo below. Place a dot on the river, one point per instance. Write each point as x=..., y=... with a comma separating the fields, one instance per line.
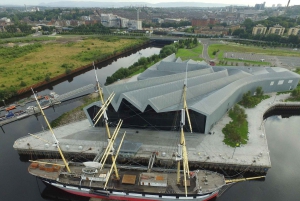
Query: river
x=281, y=183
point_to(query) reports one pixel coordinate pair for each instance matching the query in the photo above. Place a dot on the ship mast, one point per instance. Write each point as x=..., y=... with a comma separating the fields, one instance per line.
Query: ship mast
x=106, y=120
x=54, y=137
x=182, y=151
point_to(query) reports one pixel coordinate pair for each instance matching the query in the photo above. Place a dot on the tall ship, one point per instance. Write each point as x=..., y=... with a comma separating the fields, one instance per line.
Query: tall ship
x=97, y=179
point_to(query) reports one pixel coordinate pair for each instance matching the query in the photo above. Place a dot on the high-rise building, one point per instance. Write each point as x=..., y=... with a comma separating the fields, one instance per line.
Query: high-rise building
x=260, y=6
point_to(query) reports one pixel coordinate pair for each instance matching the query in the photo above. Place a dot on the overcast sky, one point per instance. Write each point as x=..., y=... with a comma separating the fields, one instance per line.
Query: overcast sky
x=240, y=2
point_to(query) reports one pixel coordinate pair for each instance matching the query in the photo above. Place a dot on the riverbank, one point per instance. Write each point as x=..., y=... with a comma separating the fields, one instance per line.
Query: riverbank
x=77, y=114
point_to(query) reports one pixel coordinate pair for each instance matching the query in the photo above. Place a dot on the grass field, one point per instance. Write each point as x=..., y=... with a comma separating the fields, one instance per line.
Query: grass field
x=26, y=39
x=53, y=58
x=193, y=53
x=231, y=47
x=247, y=61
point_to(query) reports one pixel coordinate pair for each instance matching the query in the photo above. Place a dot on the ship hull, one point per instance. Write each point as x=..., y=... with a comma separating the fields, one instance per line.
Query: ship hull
x=117, y=195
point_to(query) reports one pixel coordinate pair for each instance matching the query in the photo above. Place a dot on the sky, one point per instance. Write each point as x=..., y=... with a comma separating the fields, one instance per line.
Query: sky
x=239, y=2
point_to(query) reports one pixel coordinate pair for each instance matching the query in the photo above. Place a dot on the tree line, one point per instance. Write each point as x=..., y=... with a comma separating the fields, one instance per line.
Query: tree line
x=271, y=21
x=48, y=14
x=143, y=63
x=16, y=30
x=166, y=24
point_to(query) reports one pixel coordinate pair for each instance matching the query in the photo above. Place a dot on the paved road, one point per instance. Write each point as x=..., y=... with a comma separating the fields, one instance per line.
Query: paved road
x=280, y=61
x=206, y=43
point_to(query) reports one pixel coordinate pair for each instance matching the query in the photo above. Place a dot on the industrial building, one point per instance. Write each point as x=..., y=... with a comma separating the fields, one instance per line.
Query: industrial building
x=155, y=99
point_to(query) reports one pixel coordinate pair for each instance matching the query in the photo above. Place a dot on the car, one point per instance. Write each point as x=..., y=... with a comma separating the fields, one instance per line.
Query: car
x=295, y=49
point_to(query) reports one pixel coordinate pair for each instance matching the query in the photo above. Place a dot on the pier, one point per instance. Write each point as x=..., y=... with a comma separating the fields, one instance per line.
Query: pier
x=26, y=112
x=80, y=140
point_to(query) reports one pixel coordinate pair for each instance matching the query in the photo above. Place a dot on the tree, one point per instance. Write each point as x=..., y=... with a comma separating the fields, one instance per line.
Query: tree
x=68, y=71
x=195, y=41
x=238, y=32
x=142, y=61
x=295, y=93
x=249, y=24
x=47, y=78
x=259, y=91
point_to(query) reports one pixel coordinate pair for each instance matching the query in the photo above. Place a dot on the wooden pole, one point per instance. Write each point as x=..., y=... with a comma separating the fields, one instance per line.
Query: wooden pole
x=56, y=141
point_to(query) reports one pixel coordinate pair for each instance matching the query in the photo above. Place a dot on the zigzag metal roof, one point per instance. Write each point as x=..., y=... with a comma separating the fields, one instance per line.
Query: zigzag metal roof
x=210, y=103
x=207, y=87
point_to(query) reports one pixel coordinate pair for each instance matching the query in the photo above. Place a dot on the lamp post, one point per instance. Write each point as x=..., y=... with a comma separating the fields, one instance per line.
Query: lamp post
x=236, y=145
x=4, y=102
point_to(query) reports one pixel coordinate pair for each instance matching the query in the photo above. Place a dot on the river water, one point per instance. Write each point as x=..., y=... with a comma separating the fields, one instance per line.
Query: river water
x=281, y=183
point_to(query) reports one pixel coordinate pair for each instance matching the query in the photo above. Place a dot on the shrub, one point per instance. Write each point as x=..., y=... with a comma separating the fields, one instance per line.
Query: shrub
x=68, y=71
x=22, y=84
x=47, y=78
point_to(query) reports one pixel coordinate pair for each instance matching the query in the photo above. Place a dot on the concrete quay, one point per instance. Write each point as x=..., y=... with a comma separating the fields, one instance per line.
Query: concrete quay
x=80, y=139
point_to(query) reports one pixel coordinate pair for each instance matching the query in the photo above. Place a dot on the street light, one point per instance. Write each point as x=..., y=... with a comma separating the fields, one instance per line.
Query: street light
x=4, y=102
x=236, y=145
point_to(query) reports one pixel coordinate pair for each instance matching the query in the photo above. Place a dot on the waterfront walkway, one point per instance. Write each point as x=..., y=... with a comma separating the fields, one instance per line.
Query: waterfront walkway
x=81, y=138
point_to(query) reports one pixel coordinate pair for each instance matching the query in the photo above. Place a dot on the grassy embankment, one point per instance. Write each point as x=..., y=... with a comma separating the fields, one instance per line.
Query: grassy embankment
x=184, y=54
x=28, y=39
x=75, y=114
x=193, y=53
x=27, y=65
x=232, y=47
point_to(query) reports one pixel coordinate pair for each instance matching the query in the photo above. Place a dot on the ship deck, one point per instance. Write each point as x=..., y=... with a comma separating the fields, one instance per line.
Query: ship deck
x=205, y=180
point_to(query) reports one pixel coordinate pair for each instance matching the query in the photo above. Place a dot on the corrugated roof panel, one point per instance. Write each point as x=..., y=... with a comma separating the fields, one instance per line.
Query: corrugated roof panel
x=153, y=91
x=178, y=60
x=174, y=98
x=121, y=88
x=210, y=103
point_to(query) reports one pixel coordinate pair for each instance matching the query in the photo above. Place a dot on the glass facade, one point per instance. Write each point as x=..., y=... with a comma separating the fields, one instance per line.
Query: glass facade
x=149, y=119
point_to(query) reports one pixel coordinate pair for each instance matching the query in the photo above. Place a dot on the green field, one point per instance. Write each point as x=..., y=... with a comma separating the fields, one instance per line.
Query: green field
x=22, y=66
x=194, y=53
x=26, y=39
x=247, y=62
x=232, y=47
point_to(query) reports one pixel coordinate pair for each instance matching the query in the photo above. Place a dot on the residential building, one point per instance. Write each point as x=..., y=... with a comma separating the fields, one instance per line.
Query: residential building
x=260, y=6
x=157, y=20
x=294, y=30
x=172, y=20
x=277, y=29
x=205, y=21
x=259, y=29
